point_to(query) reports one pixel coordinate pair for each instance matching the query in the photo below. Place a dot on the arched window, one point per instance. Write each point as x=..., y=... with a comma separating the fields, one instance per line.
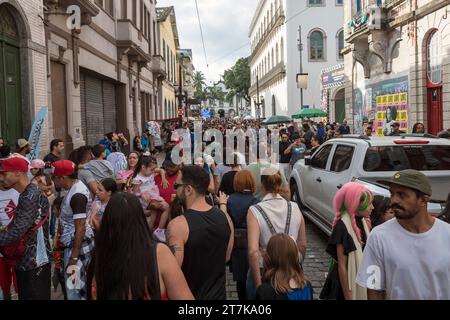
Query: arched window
x=270, y=64
x=277, y=56
x=273, y=59
x=271, y=10
x=165, y=109
x=274, y=106
x=340, y=44
x=316, y=45
x=282, y=50
x=434, y=58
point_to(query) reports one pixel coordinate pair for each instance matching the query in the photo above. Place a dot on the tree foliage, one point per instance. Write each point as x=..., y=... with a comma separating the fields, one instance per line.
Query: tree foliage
x=199, y=85
x=237, y=79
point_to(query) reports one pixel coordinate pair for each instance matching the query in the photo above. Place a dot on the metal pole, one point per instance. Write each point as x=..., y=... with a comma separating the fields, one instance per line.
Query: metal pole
x=300, y=48
x=257, y=98
x=180, y=96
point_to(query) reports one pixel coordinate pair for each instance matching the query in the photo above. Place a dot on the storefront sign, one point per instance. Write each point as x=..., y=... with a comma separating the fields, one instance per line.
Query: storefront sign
x=333, y=77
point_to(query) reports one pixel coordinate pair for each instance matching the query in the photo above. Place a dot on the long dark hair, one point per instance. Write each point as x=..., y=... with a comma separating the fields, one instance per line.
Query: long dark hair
x=122, y=263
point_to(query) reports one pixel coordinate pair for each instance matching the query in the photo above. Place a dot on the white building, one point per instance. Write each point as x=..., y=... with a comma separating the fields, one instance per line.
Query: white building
x=275, y=58
x=229, y=108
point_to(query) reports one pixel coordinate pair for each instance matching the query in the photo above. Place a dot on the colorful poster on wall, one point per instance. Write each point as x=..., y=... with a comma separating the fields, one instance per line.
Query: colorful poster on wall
x=391, y=105
x=384, y=103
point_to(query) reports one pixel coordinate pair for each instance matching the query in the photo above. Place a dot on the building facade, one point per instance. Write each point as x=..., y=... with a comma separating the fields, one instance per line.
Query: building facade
x=399, y=63
x=96, y=64
x=275, y=58
x=169, y=44
x=23, y=74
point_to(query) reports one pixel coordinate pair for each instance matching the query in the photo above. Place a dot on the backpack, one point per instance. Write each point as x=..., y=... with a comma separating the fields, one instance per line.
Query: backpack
x=269, y=223
x=16, y=250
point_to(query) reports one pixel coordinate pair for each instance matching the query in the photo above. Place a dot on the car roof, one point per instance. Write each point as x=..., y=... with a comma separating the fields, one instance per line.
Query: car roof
x=388, y=141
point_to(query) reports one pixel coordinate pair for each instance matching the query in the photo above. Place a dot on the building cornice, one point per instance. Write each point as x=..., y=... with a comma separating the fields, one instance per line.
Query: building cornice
x=256, y=16
x=278, y=21
x=274, y=75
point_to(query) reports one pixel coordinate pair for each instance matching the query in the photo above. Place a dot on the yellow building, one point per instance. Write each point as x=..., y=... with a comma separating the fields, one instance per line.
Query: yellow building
x=169, y=45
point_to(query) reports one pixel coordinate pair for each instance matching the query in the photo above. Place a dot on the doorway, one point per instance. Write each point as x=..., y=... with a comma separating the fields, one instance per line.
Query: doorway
x=339, y=106
x=59, y=106
x=10, y=81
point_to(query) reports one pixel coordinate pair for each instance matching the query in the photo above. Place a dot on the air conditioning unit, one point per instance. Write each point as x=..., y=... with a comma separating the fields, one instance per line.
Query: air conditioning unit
x=377, y=18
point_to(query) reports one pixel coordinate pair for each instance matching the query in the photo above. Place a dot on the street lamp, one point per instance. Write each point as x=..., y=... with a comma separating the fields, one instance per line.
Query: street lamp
x=302, y=78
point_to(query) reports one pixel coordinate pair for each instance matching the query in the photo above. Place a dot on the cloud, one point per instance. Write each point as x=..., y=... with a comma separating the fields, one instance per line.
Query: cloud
x=225, y=26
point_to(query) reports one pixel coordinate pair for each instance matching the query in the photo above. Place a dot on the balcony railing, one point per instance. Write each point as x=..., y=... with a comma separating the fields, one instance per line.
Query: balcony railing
x=277, y=20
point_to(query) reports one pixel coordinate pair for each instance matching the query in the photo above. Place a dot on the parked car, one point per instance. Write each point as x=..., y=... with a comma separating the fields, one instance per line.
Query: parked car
x=315, y=181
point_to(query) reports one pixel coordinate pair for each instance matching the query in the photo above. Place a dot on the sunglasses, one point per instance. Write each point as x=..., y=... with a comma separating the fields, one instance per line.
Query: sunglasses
x=178, y=185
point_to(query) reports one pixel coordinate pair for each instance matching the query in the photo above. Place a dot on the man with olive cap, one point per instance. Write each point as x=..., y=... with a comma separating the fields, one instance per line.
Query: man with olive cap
x=407, y=258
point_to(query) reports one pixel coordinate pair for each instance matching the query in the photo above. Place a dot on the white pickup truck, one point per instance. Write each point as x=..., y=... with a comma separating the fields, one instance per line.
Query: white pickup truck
x=316, y=180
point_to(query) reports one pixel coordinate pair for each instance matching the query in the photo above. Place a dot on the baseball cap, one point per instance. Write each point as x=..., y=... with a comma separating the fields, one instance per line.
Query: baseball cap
x=14, y=164
x=37, y=164
x=22, y=143
x=63, y=168
x=411, y=179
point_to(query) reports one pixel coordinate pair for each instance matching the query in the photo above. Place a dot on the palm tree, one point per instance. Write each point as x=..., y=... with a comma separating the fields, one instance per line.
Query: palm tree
x=216, y=93
x=199, y=83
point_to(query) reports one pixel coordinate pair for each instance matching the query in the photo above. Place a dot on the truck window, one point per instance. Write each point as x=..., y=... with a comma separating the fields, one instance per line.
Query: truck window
x=342, y=158
x=319, y=161
x=397, y=158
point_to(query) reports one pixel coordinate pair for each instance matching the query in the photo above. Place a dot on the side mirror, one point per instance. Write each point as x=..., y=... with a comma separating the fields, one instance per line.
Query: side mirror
x=308, y=161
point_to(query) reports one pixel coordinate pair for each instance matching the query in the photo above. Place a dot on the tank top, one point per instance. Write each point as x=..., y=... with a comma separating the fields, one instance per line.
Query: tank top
x=205, y=253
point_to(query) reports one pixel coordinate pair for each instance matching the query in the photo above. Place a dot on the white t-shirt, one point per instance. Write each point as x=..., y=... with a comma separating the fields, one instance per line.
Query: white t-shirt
x=408, y=266
x=8, y=205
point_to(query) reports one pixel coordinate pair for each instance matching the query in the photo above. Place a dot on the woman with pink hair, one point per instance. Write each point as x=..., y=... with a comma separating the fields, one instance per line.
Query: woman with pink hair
x=351, y=227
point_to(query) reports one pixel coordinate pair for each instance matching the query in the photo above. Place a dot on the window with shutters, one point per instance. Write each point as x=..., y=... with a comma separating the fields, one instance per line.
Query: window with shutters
x=316, y=41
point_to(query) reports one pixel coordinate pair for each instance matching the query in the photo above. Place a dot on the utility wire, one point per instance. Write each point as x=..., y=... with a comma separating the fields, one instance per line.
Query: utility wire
x=297, y=14
x=230, y=53
x=201, y=33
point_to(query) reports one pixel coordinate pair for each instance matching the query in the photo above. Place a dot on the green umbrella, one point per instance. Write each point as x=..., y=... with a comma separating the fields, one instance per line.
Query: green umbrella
x=309, y=113
x=277, y=120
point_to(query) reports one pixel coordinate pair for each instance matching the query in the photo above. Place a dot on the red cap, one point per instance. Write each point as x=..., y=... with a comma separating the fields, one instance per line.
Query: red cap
x=63, y=168
x=15, y=164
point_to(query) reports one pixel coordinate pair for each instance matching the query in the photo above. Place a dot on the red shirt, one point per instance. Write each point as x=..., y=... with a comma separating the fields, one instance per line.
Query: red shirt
x=166, y=193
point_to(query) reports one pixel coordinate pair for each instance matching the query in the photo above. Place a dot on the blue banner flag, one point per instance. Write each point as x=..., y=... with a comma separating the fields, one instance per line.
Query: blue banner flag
x=36, y=132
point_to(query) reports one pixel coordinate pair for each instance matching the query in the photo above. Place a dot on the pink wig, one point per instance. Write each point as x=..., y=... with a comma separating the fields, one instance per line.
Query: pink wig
x=348, y=200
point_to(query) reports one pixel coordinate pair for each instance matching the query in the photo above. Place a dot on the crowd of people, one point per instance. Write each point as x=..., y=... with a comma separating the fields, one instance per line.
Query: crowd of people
x=108, y=223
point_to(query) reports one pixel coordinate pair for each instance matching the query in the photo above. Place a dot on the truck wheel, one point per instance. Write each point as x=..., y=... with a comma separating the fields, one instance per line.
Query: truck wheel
x=296, y=197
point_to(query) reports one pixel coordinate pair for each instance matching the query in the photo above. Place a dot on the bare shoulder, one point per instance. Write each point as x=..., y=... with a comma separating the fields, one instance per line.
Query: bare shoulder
x=178, y=227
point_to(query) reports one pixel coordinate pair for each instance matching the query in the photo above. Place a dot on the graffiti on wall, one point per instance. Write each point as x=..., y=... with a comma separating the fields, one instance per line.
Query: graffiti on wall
x=384, y=103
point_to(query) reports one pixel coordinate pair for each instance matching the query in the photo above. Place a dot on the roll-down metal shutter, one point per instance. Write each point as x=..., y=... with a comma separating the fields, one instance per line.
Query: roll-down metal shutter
x=94, y=111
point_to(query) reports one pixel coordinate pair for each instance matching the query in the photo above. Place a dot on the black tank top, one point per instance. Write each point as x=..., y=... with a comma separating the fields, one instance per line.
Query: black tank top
x=205, y=253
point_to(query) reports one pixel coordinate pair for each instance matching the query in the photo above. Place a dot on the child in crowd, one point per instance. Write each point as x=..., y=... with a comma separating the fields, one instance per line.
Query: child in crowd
x=283, y=277
x=145, y=188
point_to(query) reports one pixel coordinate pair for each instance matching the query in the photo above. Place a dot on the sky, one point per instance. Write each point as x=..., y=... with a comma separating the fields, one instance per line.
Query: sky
x=225, y=26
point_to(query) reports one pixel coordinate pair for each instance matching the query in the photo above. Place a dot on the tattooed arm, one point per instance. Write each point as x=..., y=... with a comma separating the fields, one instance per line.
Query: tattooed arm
x=177, y=235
